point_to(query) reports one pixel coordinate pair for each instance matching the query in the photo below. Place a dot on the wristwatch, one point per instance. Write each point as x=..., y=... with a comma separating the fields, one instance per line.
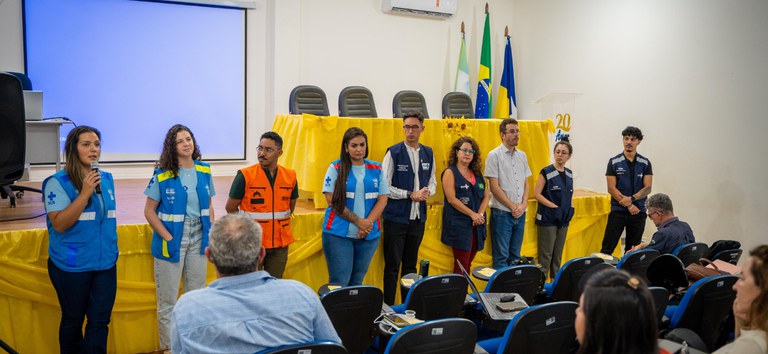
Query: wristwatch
x=632, y=198
x=408, y=194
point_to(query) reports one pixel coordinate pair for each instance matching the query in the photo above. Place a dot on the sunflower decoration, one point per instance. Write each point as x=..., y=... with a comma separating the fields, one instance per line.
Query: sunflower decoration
x=457, y=127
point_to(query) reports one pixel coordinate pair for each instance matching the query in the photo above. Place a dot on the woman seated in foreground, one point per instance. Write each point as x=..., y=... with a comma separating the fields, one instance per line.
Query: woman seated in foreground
x=751, y=305
x=616, y=315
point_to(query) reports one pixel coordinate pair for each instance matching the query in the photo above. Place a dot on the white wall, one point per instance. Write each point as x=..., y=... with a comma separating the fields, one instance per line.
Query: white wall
x=691, y=73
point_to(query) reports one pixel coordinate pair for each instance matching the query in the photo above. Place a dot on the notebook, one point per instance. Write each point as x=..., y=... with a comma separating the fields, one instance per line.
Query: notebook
x=489, y=301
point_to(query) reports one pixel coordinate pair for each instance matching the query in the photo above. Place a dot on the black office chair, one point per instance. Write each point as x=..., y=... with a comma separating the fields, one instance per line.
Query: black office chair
x=457, y=105
x=705, y=307
x=565, y=287
x=407, y=100
x=691, y=252
x=357, y=101
x=526, y=280
x=445, y=336
x=308, y=99
x=721, y=246
x=637, y=262
x=660, y=300
x=320, y=347
x=13, y=138
x=730, y=256
x=547, y=328
x=352, y=311
x=436, y=297
x=668, y=272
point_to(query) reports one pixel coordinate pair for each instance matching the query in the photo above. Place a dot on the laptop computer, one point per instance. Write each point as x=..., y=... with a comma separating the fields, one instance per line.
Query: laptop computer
x=33, y=105
x=489, y=301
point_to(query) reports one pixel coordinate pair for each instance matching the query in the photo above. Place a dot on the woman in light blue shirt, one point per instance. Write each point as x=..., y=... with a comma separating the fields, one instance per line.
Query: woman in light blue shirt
x=179, y=210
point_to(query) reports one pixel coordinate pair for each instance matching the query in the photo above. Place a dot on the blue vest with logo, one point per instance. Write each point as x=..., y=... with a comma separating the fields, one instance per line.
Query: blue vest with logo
x=91, y=243
x=333, y=223
x=457, y=227
x=559, y=193
x=629, y=181
x=399, y=210
x=172, y=210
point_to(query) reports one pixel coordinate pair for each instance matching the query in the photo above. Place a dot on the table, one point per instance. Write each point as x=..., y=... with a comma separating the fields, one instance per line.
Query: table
x=43, y=142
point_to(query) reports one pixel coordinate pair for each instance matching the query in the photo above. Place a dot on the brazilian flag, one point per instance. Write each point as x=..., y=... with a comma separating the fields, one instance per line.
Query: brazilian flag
x=483, y=101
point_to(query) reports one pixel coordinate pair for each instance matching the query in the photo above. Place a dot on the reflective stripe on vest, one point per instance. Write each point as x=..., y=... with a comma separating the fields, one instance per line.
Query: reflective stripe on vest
x=91, y=215
x=171, y=217
x=267, y=216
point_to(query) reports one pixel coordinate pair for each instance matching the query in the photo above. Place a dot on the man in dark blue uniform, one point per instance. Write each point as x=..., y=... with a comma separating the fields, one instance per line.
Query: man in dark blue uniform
x=672, y=232
x=409, y=167
x=629, y=176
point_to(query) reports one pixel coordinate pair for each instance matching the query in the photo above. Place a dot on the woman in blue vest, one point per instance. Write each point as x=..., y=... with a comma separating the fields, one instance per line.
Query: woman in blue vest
x=82, y=251
x=356, y=192
x=179, y=210
x=466, y=198
x=554, y=192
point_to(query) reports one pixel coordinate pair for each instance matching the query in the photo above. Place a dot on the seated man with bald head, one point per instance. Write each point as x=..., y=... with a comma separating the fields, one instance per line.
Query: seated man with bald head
x=245, y=310
x=671, y=232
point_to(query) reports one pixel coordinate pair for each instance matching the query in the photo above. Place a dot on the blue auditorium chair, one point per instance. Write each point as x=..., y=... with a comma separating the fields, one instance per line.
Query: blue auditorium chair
x=545, y=329
x=317, y=347
x=525, y=280
x=435, y=297
x=352, y=311
x=444, y=336
x=565, y=287
x=691, y=252
x=667, y=271
x=705, y=307
x=637, y=262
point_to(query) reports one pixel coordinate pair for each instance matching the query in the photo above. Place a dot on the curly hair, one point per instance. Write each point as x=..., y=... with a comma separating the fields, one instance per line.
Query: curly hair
x=169, y=158
x=339, y=198
x=633, y=131
x=476, y=160
x=758, y=314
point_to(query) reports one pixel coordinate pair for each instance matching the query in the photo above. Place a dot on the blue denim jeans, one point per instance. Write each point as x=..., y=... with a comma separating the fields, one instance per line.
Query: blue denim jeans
x=191, y=268
x=506, y=237
x=347, y=258
x=82, y=294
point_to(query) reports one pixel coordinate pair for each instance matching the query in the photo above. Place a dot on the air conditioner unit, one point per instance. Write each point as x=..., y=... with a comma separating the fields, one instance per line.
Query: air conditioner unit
x=431, y=8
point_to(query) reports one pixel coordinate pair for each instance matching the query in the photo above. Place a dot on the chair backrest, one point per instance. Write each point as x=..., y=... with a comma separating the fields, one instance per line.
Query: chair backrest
x=705, y=307
x=457, y=105
x=691, y=252
x=680, y=335
x=722, y=245
x=308, y=99
x=448, y=336
x=408, y=100
x=667, y=271
x=637, y=262
x=439, y=296
x=660, y=300
x=26, y=83
x=320, y=347
x=352, y=311
x=546, y=328
x=525, y=280
x=13, y=132
x=357, y=101
x=565, y=287
x=730, y=256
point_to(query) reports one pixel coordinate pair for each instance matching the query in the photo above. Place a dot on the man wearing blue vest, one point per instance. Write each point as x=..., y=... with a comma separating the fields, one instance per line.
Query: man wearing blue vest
x=629, y=176
x=410, y=169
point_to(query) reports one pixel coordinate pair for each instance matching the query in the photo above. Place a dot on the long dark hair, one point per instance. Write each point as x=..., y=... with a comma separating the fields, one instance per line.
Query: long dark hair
x=169, y=158
x=339, y=199
x=619, y=315
x=758, y=313
x=74, y=171
x=476, y=160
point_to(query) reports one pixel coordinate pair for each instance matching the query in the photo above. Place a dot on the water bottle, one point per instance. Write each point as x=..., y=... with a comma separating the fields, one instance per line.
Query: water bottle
x=424, y=268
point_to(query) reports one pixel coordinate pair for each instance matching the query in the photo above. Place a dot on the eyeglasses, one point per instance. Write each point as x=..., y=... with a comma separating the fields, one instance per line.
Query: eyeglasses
x=653, y=212
x=411, y=127
x=468, y=151
x=268, y=150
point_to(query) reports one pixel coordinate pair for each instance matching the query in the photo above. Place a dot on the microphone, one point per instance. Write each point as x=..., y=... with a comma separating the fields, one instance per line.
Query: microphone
x=95, y=167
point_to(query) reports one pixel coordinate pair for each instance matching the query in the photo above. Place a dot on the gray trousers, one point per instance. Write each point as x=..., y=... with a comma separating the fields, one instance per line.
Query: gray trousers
x=551, y=242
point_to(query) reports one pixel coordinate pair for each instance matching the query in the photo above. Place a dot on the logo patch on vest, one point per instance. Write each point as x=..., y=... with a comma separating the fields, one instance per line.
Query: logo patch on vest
x=170, y=195
x=376, y=183
x=402, y=168
x=255, y=198
x=425, y=166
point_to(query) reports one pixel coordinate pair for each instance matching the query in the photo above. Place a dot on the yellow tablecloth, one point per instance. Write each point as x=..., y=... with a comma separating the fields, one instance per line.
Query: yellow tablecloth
x=29, y=311
x=311, y=143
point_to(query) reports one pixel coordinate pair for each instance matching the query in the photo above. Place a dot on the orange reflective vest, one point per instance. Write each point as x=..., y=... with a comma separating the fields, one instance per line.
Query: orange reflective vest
x=269, y=205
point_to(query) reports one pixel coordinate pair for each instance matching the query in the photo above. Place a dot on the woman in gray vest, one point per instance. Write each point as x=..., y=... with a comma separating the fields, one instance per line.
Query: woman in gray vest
x=554, y=192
